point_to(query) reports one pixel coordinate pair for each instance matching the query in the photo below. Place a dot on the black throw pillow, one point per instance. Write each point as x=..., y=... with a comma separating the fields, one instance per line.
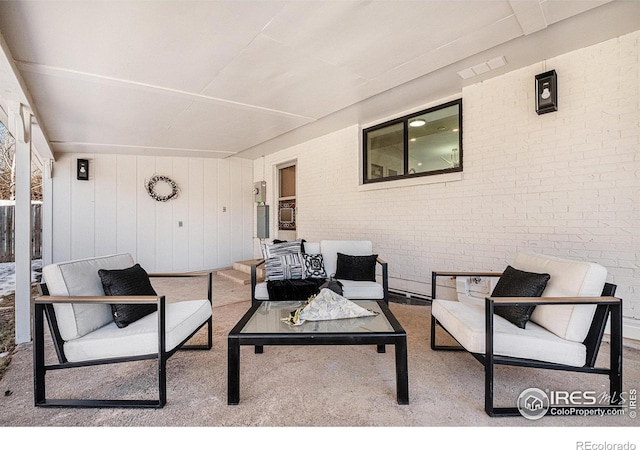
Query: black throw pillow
x=356, y=268
x=517, y=283
x=131, y=281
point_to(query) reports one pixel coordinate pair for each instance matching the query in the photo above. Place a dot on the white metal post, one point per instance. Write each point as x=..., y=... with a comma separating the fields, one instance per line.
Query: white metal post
x=47, y=212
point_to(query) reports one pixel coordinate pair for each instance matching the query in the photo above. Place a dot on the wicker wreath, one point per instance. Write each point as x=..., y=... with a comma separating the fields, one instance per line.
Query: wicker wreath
x=151, y=186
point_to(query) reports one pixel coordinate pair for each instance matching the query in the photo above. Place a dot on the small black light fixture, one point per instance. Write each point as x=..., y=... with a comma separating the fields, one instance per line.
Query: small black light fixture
x=83, y=169
x=546, y=92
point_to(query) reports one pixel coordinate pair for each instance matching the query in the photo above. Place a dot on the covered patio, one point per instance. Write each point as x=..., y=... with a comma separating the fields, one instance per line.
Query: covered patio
x=218, y=97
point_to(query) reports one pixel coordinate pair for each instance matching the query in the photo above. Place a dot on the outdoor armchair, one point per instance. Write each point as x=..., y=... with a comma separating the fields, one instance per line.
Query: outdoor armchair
x=83, y=324
x=563, y=331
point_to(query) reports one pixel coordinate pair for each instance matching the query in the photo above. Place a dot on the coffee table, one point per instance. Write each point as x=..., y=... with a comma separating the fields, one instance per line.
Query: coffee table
x=262, y=325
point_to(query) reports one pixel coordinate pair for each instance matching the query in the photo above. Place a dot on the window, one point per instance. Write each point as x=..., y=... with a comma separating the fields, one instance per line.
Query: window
x=287, y=198
x=428, y=142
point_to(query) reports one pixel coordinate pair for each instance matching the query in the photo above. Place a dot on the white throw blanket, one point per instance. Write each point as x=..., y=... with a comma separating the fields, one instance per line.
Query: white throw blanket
x=327, y=305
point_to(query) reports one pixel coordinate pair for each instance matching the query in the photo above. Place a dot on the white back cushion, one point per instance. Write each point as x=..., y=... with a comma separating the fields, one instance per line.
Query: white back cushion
x=569, y=278
x=80, y=277
x=330, y=250
x=312, y=248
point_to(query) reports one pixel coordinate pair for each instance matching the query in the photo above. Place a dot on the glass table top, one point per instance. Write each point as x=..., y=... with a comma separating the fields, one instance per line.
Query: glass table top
x=268, y=319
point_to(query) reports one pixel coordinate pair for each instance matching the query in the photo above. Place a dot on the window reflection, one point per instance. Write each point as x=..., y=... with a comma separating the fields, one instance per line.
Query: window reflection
x=385, y=152
x=433, y=143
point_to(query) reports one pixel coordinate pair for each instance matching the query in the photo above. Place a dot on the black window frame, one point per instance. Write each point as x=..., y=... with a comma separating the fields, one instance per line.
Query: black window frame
x=405, y=121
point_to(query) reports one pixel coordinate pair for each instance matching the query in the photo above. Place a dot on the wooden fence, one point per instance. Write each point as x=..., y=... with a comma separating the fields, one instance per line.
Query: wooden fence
x=7, y=225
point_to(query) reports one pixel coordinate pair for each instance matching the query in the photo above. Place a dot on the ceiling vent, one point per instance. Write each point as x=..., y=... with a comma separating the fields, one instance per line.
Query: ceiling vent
x=484, y=67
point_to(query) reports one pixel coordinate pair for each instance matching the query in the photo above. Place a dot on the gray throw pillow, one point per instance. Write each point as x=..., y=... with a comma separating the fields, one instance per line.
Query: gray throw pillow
x=284, y=267
x=279, y=248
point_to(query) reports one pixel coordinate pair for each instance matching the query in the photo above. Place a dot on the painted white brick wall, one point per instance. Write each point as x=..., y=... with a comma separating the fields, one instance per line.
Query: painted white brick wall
x=565, y=183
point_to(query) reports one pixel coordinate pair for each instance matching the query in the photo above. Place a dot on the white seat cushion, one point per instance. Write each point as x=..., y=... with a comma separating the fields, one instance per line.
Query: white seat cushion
x=261, y=292
x=466, y=323
x=141, y=336
x=80, y=277
x=569, y=278
x=362, y=290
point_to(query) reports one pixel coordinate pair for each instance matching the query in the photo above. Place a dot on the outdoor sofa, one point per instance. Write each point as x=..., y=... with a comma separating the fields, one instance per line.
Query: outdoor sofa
x=361, y=273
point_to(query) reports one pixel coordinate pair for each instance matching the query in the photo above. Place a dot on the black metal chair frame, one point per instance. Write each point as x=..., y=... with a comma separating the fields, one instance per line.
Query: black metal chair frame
x=43, y=306
x=607, y=307
x=383, y=265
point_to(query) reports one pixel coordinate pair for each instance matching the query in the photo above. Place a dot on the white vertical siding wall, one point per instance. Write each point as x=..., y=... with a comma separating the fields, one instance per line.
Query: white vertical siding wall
x=112, y=212
x=565, y=183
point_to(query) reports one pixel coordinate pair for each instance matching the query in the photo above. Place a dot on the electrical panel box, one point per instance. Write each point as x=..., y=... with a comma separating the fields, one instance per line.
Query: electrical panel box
x=263, y=221
x=260, y=191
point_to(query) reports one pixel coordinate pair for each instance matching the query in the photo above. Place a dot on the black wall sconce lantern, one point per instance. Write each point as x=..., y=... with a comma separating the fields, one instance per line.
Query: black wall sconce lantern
x=546, y=92
x=83, y=169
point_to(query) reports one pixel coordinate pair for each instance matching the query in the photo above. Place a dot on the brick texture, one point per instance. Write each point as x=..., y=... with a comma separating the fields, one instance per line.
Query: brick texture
x=565, y=183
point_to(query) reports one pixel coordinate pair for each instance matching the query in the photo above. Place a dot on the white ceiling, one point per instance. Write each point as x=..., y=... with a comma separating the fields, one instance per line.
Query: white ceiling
x=221, y=78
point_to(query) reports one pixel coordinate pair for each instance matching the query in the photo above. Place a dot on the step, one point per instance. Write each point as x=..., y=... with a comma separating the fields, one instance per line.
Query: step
x=245, y=266
x=236, y=276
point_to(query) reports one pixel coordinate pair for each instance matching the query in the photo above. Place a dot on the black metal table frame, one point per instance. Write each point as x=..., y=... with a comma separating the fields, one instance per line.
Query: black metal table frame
x=397, y=338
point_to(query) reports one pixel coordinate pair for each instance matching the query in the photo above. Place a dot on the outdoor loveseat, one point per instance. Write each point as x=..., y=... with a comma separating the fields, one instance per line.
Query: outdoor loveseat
x=545, y=312
x=351, y=262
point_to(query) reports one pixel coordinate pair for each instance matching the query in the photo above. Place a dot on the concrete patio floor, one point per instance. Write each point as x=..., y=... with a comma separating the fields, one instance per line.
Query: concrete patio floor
x=311, y=389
